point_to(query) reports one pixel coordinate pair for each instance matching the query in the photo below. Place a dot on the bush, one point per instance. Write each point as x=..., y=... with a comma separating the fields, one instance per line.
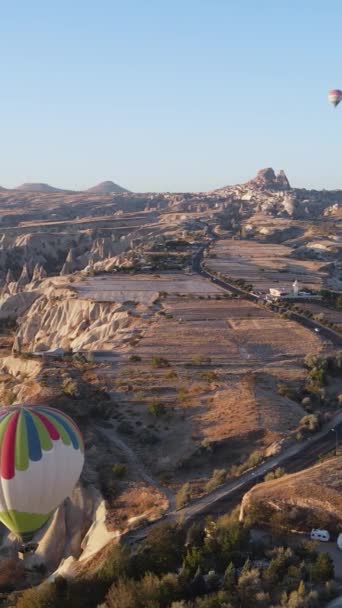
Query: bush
x=253, y=460
x=119, y=469
x=48, y=595
x=208, y=376
x=160, y=362
x=323, y=569
x=157, y=408
x=218, y=477
x=183, y=496
x=70, y=388
x=135, y=358
x=9, y=397
x=311, y=423
x=279, y=472
x=285, y=391
x=117, y=564
x=200, y=360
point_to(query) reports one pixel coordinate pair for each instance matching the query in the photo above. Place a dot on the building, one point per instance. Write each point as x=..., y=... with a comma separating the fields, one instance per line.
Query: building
x=280, y=293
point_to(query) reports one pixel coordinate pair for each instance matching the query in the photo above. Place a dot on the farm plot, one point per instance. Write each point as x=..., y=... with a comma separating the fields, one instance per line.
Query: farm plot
x=264, y=265
x=206, y=373
x=142, y=288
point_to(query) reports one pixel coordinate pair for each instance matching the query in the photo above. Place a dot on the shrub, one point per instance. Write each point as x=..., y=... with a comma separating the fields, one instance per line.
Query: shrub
x=182, y=395
x=285, y=391
x=160, y=362
x=156, y=408
x=310, y=422
x=9, y=397
x=48, y=595
x=183, y=496
x=135, y=358
x=171, y=374
x=317, y=374
x=323, y=569
x=70, y=388
x=200, y=360
x=208, y=376
x=218, y=477
x=119, y=470
x=279, y=472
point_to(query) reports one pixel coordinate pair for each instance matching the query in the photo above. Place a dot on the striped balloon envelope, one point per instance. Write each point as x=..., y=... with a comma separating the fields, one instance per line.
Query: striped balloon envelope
x=41, y=459
x=335, y=96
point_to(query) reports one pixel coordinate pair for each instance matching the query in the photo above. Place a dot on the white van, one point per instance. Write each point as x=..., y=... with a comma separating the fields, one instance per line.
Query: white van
x=322, y=535
x=339, y=541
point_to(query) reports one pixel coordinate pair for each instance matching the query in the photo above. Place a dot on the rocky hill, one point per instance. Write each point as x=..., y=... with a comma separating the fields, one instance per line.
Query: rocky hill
x=38, y=187
x=105, y=187
x=312, y=494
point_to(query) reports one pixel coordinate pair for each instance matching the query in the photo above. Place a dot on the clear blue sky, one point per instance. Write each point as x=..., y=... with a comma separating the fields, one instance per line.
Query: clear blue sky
x=169, y=94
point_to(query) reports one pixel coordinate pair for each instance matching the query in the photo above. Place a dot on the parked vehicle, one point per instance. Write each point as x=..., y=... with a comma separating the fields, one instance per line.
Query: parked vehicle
x=339, y=541
x=322, y=535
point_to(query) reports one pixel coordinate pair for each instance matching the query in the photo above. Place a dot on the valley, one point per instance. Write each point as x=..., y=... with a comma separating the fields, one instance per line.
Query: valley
x=188, y=387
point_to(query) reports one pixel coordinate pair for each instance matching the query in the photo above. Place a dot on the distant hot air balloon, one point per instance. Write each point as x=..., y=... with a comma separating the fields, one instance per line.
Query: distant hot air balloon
x=335, y=96
x=41, y=459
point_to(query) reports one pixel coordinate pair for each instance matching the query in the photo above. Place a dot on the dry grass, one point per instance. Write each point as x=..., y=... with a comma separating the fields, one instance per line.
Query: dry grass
x=136, y=501
x=317, y=488
x=227, y=357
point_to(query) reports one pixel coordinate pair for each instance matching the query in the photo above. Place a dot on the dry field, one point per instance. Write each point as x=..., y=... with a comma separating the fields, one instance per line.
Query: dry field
x=224, y=358
x=330, y=315
x=264, y=265
x=142, y=288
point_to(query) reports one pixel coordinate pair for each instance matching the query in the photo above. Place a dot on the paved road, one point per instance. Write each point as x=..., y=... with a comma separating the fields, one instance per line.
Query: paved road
x=295, y=458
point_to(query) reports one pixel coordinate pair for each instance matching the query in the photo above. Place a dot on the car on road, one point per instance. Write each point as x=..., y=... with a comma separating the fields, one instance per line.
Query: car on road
x=322, y=535
x=339, y=541
x=317, y=329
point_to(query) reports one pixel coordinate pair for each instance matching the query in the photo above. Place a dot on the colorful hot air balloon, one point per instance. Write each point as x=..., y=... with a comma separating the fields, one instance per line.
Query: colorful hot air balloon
x=41, y=459
x=335, y=96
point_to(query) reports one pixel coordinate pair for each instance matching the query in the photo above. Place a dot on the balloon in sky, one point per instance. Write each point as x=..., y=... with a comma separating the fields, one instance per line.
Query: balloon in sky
x=41, y=459
x=335, y=96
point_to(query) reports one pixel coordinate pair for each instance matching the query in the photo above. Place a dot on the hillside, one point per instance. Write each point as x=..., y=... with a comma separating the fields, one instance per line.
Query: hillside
x=38, y=187
x=105, y=187
x=308, y=498
x=179, y=382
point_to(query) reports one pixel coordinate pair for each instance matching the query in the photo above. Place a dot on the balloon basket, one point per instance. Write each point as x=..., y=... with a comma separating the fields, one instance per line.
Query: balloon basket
x=26, y=549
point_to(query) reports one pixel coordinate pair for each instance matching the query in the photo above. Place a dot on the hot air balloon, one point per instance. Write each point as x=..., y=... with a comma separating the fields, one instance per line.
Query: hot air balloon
x=335, y=96
x=41, y=459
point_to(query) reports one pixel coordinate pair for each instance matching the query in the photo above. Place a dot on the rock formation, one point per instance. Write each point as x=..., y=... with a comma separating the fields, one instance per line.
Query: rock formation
x=266, y=179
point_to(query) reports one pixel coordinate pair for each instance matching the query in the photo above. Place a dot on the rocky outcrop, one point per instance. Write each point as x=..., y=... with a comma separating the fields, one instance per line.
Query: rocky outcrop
x=76, y=324
x=24, y=278
x=266, y=179
x=15, y=305
x=39, y=273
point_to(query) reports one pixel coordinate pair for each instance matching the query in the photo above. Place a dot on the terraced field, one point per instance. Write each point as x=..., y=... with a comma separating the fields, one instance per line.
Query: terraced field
x=264, y=265
x=210, y=367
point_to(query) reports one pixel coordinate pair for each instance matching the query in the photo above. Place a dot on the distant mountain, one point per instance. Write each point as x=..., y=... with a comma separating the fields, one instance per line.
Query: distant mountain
x=106, y=187
x=33, y=187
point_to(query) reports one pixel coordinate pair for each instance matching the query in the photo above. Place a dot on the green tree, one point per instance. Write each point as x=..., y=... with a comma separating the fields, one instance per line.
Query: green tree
x=162, y=550
x=229, y=578
x=323, y=569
